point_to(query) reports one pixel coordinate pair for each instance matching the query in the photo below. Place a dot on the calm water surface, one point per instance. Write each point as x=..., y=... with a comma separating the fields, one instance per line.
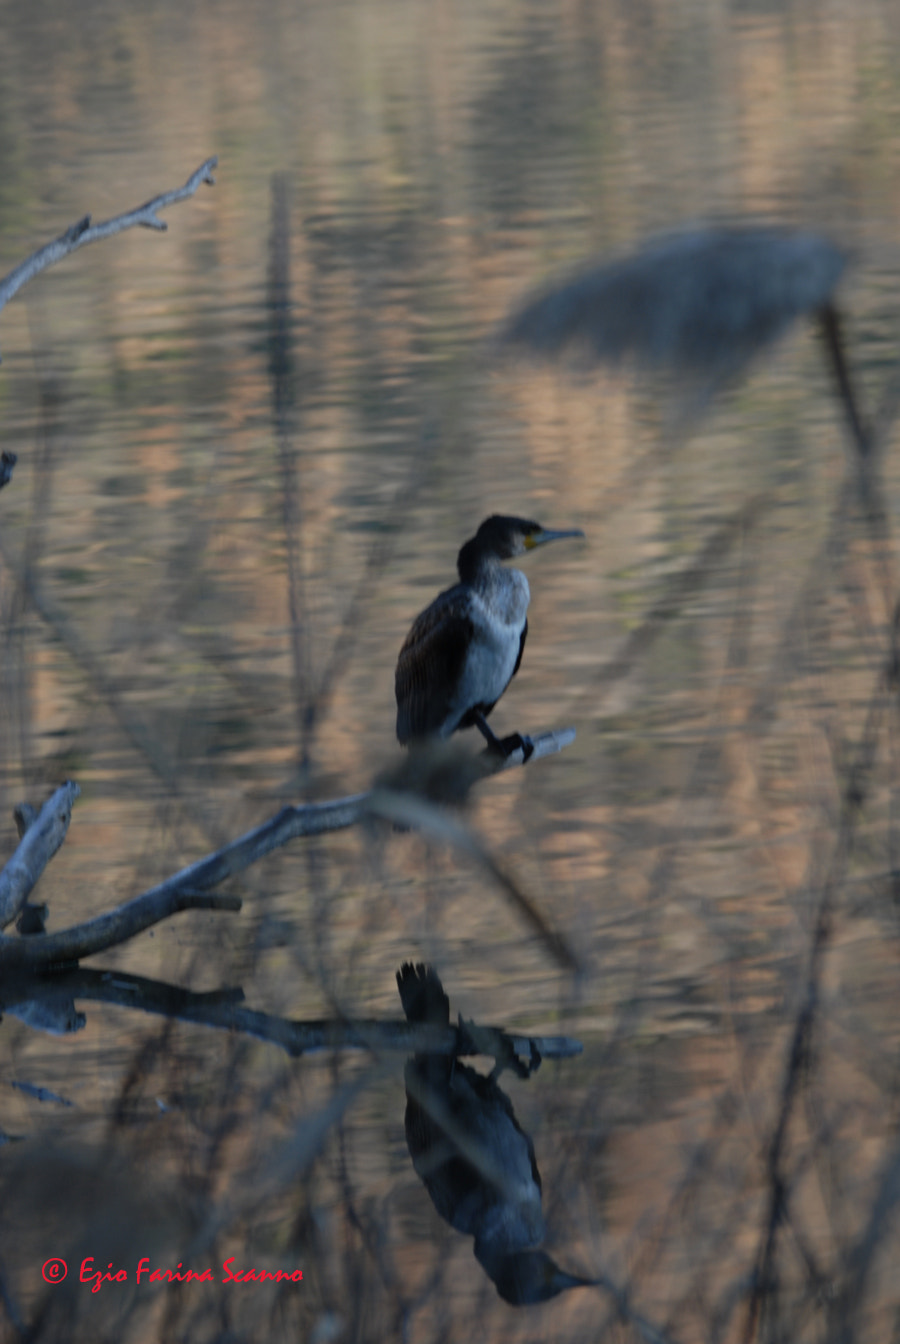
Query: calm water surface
x=202, y=609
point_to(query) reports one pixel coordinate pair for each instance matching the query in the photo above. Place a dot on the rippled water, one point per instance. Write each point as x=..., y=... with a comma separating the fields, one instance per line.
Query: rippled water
x=203, y=597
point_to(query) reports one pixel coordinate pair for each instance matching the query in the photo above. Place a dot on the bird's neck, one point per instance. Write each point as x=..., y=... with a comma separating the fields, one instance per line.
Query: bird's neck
x=503, y=590
x=476, y=566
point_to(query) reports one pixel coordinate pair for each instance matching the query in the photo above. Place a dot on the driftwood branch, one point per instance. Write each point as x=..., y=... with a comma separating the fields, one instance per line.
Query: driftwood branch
x=49, y=950
x=30, y=998
x=83, y=232
x=41, y=839
x=190, y=889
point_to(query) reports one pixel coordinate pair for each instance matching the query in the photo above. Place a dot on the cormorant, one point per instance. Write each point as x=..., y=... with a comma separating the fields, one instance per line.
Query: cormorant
x=476, y=1162
x=466, y=647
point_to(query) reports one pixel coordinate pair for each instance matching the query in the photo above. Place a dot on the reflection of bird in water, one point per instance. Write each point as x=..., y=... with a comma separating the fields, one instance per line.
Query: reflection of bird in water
x=476, y=1162
x=466, y=647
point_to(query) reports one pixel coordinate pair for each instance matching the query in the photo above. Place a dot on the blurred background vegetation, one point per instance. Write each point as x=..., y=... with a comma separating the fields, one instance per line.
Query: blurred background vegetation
x=202, y=596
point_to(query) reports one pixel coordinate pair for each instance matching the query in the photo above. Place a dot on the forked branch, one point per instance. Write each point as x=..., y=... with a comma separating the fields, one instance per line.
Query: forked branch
x=82, y=231
x=191, y=888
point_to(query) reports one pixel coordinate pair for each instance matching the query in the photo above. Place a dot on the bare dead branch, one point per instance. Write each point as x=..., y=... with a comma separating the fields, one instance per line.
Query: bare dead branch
x=54, y=1014
x=83, y=232
x=40, y=841
x=189, y=889
x=224, y=1009
x=117, y=926
x=547, y=744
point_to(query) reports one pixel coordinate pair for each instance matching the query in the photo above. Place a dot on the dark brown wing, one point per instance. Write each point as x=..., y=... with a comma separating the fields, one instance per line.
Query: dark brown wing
x=431, y=663
x=463, y=1189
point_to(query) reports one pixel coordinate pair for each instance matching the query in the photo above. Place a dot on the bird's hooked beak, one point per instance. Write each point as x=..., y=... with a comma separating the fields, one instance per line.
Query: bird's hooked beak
x=560, y=1280
x=545, y=534
x=524, y=1278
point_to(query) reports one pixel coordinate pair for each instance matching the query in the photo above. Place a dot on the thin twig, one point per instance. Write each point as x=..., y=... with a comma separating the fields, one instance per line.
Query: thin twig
x=83, y=232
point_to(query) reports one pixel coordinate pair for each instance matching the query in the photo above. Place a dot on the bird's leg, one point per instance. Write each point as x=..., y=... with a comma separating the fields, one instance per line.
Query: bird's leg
x=508, y=1059
x=503, y=746
x=486, y=730
x=516, y=740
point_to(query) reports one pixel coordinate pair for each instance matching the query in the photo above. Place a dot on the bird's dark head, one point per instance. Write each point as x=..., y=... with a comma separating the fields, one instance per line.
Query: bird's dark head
x=503, y=537
x=525, y=1277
